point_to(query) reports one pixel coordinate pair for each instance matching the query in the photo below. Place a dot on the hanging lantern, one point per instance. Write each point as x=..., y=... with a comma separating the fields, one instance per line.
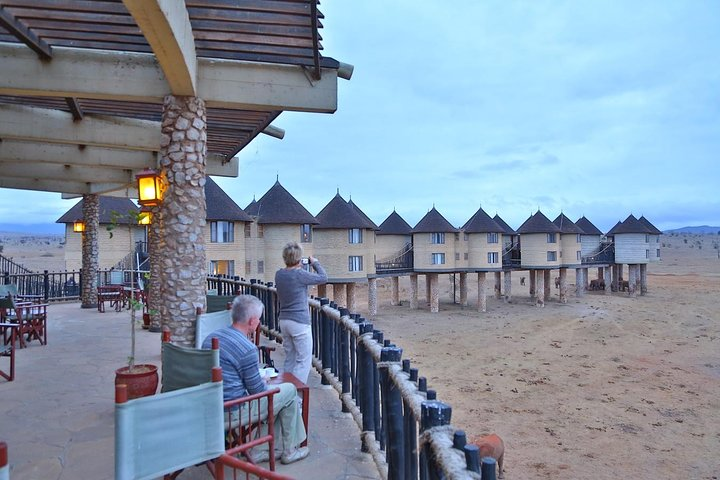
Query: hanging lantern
x=78, y=226
x=150, y=188
x=145, y=217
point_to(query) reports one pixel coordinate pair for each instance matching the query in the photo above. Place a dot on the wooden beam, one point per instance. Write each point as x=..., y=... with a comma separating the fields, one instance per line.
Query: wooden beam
x=76, y=173
x=24, y=34
x=61, y=186
x=75, y=108
x=166, y=26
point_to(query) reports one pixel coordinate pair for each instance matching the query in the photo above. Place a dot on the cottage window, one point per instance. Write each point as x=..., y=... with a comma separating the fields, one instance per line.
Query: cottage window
x=222, y=267
x=261, y=231
x=552, y=256
x=457, y=237
x=578, y=238
x=647, y=253
x=551, y=238
x=466, y=236
x=465, y=256
x=355, y=235
x=457, y=256
x=647, y=238
x=247, y=230
x=222, y=232
x=579, y=255
x=438, y=258
x=658, y=253
x=437, y=238
x=492, y=237
x=355, y=263
x=305, y=233
x=493, y=257
x=247, y=267
x=261, y=266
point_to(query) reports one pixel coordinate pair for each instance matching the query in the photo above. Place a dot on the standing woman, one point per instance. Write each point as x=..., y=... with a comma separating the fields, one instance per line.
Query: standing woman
x=292, y=284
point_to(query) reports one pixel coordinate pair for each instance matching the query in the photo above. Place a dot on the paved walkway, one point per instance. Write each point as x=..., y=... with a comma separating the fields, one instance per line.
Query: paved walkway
x=57, y=416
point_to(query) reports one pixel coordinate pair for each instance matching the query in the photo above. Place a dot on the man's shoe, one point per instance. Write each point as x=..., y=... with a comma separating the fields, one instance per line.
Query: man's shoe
x=295, y=455
x=262, y=456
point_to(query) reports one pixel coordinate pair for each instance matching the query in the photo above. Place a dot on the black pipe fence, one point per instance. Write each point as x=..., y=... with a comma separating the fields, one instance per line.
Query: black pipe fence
x=404, y=427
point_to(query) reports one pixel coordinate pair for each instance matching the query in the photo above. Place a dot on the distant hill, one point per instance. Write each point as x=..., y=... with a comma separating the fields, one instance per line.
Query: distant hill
x=33, y=228
x=701, y=230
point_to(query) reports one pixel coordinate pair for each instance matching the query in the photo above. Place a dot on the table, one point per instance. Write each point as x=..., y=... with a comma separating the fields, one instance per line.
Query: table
x=304, y=390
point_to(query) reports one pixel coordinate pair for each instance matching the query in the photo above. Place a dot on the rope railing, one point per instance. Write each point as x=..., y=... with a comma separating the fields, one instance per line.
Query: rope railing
x=404, y=427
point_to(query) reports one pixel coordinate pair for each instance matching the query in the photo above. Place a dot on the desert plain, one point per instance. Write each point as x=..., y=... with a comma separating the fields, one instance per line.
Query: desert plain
x=604, y=386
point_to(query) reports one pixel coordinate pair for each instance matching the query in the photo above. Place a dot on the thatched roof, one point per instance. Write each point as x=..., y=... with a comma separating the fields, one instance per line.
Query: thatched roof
x=538, y=223
x=653, y=229
x=566, y=225
x=362, y=214
x=394, y=224
x=434, y=222
x=482, y=223
x=587, y=226
x=340, y=214
x=506, y=228
x=107, y=206
x=630, y=225
x=278, y=206
x=220, y=206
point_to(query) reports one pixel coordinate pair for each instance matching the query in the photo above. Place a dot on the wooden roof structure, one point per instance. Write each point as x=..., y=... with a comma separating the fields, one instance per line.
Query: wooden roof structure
x=566, y=225
x=220, y=206
x=107, y=205
x=434, y=222
x=587, y=226
x=394, y=224
x=83, y=81
x=341, y=214
x=278, y=206
x=538, y=223
x=481, y=222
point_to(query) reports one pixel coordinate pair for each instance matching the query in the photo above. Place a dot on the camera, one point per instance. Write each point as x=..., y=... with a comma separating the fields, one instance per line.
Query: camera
x=305, y=260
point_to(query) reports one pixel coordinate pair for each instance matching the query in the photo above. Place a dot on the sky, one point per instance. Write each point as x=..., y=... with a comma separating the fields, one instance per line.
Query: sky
x=594, y=108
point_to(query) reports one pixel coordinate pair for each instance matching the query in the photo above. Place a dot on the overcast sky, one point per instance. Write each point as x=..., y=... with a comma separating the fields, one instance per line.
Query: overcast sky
x=595, y=108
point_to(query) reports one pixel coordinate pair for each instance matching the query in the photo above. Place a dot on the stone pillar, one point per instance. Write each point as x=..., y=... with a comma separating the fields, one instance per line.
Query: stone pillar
x=620, y=268
x=586, y=278
x=563, y=285
x=322, y=290
x=482, y=292
x=615, y=280
x=540, y=295
x=546, y=281
x=532, y=274
x=413, y=291
x=607, y=280
x=463, y=289
x=579, y=282
x=428, y=300
x=339, y=295
x=372, y=297
x=643, y=279
x=350, y=292
x=433, y=292
x=394, y=291
x=498, y=292
x=89, y=268
x=182, y=159
x=600, y=274
x=155, y=290
x=631, y=280
x=508, y=286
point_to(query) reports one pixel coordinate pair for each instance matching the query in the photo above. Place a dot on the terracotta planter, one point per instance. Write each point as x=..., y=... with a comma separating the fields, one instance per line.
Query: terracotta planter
x=143, y=380
x=146, y=321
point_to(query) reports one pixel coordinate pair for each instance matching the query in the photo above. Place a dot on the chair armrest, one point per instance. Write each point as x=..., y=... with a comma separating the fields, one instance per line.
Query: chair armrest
x=250, y=398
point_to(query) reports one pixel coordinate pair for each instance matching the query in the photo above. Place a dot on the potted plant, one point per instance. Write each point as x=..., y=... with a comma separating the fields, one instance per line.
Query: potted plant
x=142, y=379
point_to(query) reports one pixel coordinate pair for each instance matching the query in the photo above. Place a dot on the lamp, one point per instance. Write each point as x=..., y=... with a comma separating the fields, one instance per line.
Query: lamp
x=78, y=226
x=150, y=188
x=145, y=217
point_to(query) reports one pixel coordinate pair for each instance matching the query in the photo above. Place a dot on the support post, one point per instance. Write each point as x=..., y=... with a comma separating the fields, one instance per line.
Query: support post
x=372, y=297
x=482, y=292
x=508, y=286
x=579, y=283
x=434, y=294
x=498, y=282
x=540, y=295
x=90, y=251
x=643, y=279
x=463, y=289
x=339, y=296
x=393, y=414
x=533, y=286
x=563, y=285
x=351, y=301
x=394, y=291
x=546, y=291
x=413, y=291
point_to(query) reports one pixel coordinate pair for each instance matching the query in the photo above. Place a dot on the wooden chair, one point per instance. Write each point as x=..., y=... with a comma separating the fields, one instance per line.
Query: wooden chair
x=7, y=349
x=31, y=319
x=113, y=294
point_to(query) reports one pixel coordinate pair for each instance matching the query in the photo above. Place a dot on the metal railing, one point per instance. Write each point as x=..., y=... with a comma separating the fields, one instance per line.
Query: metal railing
x=405, y=428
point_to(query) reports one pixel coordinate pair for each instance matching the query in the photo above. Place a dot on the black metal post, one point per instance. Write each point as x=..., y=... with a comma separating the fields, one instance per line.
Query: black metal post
x=379, y=427
x=433, y=414
x=46, y=285
x=487, y=470
x=472, y=458
x=326, y=345
x=366, y=366
x=393, y=416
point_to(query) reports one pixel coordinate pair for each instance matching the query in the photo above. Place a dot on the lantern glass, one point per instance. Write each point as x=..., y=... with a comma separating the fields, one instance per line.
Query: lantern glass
x=145, y=218
x=150, y=188
x=79, y=226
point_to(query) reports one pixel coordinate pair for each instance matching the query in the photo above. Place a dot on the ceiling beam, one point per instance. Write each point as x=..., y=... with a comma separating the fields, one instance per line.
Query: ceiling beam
x=76, y=173
x=24, y=34
x=138, y=77
x=62, y=186
x=166, y=26
x=74, y=107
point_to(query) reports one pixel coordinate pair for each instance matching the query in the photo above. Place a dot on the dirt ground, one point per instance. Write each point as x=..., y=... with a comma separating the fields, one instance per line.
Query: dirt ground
x=605, y=386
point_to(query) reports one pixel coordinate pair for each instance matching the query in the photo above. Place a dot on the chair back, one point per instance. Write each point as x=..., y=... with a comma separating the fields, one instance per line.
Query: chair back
x=167, y=432
x=184, y=367
x=8, y=290
x=206, y=323
x=216, y=303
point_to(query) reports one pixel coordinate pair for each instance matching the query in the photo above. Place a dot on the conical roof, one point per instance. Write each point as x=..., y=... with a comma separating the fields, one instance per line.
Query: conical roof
x=394, y=224
x=434, y=222
x=220, y=206
x=362, y=214
x=630, y=225
x=340, y=214
x=278, y=206
x=538, y=223
x=653, y=229
x=506, y=228
x=587, y=226
x=107, y=206
x=481, y=222
x=566, y=225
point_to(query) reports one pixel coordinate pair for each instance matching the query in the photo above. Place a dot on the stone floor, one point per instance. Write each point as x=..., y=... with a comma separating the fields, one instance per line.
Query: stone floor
x=57, y=416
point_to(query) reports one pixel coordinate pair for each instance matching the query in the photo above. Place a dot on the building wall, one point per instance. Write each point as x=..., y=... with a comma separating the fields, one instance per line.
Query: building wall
x=270, y=247
x=333, y=250
x=654, y=247
x=631, y=248
x=234, y=251
x=387, y=246
x=590, y=245
x=423, y=250
x=110, y=250
x=570, y=248
x=478, y=249
x=534, y=248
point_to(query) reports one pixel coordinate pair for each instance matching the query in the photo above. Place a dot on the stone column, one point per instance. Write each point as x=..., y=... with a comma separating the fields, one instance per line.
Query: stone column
x=563, y=285
x=498, y=282
x=586, y=278
x=631, y=280
x=643, y=279
x=413, y=291
x=155, y=291
x=546, y=280
x=600, y=274
x=508, y=286
x=532, y=275
x=482, y=292
x=434, y=293
x=428, y=300
x=607, y=280
x=89, y=269
x=394, y=291
x=463, y=289
x=182, y=159
x=350, y=295
x=579, y=282
x=322, y=290
x=615, y=280
x=620, y=268
x=372, y=297
x=339, y=295
x=540, y=295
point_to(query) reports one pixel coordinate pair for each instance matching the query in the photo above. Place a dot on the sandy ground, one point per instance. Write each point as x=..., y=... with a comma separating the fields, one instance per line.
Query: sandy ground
x=605, y=386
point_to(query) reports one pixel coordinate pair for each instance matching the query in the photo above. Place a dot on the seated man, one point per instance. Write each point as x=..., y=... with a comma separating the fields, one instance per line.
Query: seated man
x=241, y=377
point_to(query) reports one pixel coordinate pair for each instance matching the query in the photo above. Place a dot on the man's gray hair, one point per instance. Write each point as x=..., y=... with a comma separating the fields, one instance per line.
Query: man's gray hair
x=244, y=307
